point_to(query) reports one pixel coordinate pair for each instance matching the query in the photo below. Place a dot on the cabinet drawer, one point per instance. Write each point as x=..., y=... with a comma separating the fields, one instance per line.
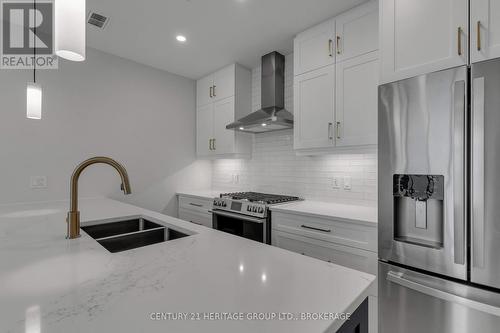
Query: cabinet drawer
x=358, y=259
x=203, y=206
x=343, y=233
x=196, y=217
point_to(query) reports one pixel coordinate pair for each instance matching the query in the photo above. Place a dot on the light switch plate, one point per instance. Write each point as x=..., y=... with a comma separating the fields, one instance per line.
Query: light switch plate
x=347, y=183
x=38, y=182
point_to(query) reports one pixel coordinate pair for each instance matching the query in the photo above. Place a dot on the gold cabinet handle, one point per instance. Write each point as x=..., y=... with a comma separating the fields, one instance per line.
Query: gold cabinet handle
x=337, y=129
x=330, y=48
x=338, y=44
x=330, y=136
x=459, y=40
x=209, y=144
x=211, y=92
x=215, y=95
x=215, y=147
x=479, y=35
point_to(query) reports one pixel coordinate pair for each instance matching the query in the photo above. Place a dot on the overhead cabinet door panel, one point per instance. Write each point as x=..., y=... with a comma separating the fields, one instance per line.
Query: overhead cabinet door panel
x=204, y=91
x=314, y=100
x=422, y=36
x=356, y=101
x=485, y=29
x=224, y=83
x=357, y=32
x=314, y=48
x=204, y=130
x=223, y=115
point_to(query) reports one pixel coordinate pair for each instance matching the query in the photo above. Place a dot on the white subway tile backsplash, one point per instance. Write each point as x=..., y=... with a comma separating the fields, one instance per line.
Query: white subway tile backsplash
x=275, y=167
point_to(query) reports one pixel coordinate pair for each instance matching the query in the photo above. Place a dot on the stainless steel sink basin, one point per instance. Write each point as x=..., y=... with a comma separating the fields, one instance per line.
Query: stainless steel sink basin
x=131, y=233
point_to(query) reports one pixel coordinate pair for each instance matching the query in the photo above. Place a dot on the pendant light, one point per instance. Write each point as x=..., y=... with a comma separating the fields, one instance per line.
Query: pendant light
x=34, y=90
x=70, y=29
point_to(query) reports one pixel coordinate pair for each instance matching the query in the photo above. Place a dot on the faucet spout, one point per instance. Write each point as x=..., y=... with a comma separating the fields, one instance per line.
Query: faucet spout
x=73, y=218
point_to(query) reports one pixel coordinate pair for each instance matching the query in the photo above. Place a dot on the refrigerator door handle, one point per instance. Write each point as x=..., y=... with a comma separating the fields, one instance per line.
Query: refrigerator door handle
x=402, y=280
x=478, y=173
x=458, y=172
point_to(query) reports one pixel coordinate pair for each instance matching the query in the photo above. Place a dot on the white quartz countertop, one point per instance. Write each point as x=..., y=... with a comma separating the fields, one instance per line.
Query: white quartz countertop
x=201, y=194
x=356, y=213
x=49, y=284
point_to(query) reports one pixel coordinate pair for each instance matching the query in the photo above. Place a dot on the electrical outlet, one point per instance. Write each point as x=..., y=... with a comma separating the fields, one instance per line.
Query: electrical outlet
x=336, y=183
x=347, y=183
x=38, y=182
x=235, y=179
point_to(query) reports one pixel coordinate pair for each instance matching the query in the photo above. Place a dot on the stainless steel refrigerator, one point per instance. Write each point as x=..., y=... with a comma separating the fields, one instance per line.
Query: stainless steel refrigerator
x=439, y=202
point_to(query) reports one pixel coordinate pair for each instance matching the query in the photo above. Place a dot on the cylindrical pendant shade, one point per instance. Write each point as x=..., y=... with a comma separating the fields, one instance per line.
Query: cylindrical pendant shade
x=70, y=29
x=34, y=101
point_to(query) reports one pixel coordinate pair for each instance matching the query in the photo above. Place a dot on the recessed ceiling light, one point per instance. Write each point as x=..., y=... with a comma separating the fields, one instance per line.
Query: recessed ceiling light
x=264, y=124
x=181, y=38
x=242, y=128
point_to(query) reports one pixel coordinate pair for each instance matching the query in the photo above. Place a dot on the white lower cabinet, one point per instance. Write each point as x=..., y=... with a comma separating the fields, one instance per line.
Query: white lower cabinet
x=360, y=260
x=344, y=243
x=196, y=210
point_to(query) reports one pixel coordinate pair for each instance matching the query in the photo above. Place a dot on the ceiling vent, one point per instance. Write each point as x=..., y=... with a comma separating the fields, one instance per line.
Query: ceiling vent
x=98, y=20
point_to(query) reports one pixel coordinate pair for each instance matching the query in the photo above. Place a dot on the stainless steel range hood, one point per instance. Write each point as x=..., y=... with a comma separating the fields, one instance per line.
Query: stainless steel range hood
x=272, y=116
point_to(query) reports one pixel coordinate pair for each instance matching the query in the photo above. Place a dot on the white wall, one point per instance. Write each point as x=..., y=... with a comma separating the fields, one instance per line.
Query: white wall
x=142, y=117
x=275, y=168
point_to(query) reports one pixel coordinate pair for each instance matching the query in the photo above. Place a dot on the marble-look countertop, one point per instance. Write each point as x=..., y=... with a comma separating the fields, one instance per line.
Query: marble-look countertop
x=201, y=194
x=355, y=213
x=49, y=284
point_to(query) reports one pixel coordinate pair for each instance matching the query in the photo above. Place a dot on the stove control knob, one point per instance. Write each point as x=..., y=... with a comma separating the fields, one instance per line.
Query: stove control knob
x=254, y=209
x=261, y=210
x=249, y=209
x=224, y=204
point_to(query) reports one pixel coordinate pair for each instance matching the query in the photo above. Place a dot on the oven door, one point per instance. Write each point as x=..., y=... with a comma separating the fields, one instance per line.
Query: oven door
x=241, y=225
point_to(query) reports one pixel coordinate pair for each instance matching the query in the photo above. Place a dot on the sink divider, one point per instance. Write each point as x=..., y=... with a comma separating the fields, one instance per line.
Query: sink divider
x=131, y=233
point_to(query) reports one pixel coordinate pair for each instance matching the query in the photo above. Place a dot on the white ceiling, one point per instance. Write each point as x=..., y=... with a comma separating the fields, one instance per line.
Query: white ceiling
x=219, y=32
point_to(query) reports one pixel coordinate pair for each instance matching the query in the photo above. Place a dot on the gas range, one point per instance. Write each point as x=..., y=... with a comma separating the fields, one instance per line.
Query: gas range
x=250, y=203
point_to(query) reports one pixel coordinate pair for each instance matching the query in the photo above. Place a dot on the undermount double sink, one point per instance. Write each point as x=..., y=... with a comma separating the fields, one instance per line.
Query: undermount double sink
x=131, y=233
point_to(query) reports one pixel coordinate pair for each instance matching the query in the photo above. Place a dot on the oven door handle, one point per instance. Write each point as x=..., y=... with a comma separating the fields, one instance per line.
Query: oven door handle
x=239, y=216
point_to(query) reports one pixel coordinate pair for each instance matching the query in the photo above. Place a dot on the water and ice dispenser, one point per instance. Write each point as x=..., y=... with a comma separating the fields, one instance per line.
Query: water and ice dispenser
x=418, y=209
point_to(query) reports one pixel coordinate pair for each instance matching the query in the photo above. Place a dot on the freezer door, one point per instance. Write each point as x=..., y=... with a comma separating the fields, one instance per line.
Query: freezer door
x=485, y=234
x=411, y=302
x=421, y=161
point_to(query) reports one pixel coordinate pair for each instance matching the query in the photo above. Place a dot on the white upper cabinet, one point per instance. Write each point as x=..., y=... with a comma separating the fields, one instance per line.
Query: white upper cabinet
x=356, y=101
x=204, y=88
x=314, y=48
x=357, y=31
x=314, y=105
x=204, y=129
x=335, y=106
x=224, y=83
x=224, y=140
x=485, y=29
x=216, y=86
x=223, y=97
x=422, y=36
